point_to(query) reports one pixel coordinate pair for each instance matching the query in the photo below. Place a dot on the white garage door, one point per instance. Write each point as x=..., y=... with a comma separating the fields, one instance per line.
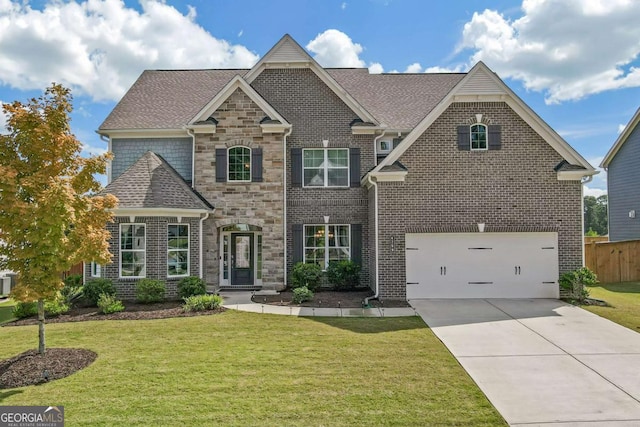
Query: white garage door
x=482, y=265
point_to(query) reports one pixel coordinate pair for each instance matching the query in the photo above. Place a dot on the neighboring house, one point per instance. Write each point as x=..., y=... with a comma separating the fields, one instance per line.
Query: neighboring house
x=622, y=164
x=236, y=175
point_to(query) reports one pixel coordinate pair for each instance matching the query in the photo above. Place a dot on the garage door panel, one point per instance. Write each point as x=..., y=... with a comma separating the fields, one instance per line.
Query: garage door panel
x=482, y=265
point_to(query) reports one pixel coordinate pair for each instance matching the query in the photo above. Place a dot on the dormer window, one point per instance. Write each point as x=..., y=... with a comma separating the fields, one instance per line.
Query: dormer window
x=478, y=134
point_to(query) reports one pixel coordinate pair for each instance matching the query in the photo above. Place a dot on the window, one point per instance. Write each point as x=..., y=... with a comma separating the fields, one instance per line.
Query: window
x=326, y=243
x=478, y=137
x=132, y=250
x=177, y=250
x=326, y=167
x=96, y=269
x=239, y=164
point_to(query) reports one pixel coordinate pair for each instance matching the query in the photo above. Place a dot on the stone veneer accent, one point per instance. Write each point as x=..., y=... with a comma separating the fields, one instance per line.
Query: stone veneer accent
x=515, y=186
x=156, y=254
x=255, y=203
x=318, y=114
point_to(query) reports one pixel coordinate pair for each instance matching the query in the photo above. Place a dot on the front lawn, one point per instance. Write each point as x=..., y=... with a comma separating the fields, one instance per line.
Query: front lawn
x=249, y=369
x=6, y=310
x=624, y=299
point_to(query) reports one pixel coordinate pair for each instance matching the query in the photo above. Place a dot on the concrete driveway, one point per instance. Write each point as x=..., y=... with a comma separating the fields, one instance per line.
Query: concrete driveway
x=543, y=362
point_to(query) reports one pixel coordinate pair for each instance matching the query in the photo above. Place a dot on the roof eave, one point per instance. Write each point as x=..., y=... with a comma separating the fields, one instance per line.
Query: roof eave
x=622, y=138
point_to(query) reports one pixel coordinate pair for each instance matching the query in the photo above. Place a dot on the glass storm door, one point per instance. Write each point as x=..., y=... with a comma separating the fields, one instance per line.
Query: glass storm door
x=242, y=259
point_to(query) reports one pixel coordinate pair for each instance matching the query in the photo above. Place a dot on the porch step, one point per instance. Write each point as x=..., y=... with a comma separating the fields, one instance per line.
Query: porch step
x=239, y=288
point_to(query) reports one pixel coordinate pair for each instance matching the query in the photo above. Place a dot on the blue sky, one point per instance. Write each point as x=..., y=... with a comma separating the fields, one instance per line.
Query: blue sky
x=575, y=62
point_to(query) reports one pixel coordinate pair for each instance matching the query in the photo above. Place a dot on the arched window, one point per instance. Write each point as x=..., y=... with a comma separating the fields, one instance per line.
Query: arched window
x=239, y=159
x=478, y=137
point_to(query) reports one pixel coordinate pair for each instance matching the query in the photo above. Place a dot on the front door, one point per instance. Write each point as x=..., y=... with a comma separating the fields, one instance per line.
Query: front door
x=242, y=259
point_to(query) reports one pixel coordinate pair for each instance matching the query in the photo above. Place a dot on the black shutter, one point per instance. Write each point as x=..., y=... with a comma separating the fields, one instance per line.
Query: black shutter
x=495, y=138
x=356, y=243
x=297, y=239
x=256, y=165
x=296, y=167
x=464, y=138
x=396, y=142
x=221, y=165
x=354, y=167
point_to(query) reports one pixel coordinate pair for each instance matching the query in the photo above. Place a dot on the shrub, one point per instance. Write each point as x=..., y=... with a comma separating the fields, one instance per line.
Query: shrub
x=109, y=304
x=572, y=281
x=149, y=291
x=55, y=307
x=72, y=291
x=190, y=286
x=305, y=275
x=73, y=280
x=301, y=295
x=343, y=275
x=96, y=287
x=25, y=309
x=202, y=302
x=51, y=308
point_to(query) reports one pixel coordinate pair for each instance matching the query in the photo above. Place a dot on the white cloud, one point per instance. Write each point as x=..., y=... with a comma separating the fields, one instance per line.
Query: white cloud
x=100, y=47
x=343, y=6
x=375, y=68
x=595, y=192
x=621, y=128
x=414, y=68
x=567, y=49
x=457, y=69
x=334, y=48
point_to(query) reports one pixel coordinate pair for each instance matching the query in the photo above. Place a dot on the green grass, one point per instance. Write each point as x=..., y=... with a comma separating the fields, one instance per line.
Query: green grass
x=6, y=310
x=624, y=299
x=249, y=369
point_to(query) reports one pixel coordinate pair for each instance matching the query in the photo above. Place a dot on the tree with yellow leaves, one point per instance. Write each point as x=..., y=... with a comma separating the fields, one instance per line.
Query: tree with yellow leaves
x=50, y=218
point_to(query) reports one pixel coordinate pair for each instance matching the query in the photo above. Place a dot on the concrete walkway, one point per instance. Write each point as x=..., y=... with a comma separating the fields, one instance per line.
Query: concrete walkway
x=543, y=362
x=241, y=301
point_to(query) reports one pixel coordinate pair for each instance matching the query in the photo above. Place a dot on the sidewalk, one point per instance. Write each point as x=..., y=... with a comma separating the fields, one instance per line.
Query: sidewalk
x=241, y=301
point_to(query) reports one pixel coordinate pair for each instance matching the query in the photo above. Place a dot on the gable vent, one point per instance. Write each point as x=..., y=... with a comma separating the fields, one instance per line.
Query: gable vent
x=480, y=84
x=288, y=52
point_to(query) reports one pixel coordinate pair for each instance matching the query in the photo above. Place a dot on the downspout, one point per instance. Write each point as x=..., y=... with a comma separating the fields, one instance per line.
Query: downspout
x=193, y=157
x=376, y=215
x=200, y=239
x=284, y=183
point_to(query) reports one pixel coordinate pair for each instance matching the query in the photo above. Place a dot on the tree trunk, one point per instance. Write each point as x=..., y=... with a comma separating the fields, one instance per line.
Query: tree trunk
x=41, y=348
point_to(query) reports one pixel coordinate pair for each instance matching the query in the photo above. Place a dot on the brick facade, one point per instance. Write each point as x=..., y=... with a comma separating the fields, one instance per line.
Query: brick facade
x=316, y=114
x=156, y=254
x=259, y=204
x=515, y=186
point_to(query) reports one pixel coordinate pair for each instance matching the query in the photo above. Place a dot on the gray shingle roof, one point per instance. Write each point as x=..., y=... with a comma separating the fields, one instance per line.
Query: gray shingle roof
x=169, y=99
x=152, y=183
x=399, y=101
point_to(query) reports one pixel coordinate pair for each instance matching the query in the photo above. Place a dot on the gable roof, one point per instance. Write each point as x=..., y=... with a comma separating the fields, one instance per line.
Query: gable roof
x=287, y=53
x=397, y=101
x=480, y=83
x=151, y=183
x=237, y=82
x=166, y=99
x=622, y=138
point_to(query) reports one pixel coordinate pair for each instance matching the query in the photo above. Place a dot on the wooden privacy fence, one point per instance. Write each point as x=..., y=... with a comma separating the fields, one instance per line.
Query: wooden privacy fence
x=613, y=261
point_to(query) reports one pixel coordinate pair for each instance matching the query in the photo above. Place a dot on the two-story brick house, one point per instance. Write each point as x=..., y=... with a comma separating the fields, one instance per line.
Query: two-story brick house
x=439, y=185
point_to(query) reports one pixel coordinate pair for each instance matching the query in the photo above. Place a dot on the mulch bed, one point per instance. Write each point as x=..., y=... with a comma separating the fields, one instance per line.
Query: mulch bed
x=32, y=368
x=332, y=299
x=133, y=311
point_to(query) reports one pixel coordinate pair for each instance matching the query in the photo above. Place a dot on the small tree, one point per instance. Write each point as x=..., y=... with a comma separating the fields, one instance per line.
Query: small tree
x=49, y=218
